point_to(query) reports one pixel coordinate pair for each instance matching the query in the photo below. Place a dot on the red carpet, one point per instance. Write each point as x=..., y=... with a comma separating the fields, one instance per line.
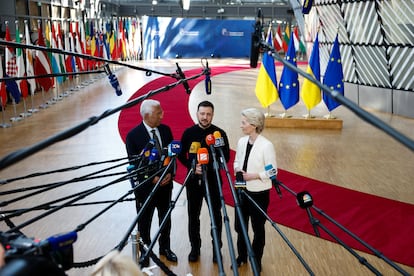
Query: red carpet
x=386, y=225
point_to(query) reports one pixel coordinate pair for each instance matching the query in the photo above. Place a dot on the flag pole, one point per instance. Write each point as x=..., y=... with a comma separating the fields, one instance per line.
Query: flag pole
x=44, y=104
x=15, y=118
x=25, y=113
x=4, y=124
x=329, y=116
x=33, y=109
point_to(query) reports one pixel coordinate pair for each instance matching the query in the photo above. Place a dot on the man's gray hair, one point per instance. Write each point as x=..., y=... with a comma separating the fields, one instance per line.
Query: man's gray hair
x=147, y=105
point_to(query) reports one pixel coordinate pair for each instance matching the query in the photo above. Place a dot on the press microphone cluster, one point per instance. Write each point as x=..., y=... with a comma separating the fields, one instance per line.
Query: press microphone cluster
x=271, y=173
x=113, y=80
x=152, y=160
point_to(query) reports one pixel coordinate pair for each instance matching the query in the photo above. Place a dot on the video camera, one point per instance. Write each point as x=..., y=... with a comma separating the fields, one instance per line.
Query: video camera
x=53, y=255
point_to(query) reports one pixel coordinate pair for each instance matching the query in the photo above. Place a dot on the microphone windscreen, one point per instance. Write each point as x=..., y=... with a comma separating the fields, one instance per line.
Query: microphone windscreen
x=217, y=134
x=174, y=148
x=210, y=140
x=194, y=147
x=154, y=155
x=202, y=156
x=270, y=171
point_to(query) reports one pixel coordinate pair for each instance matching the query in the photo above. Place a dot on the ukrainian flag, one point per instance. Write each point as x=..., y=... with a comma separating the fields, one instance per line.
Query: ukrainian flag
x=266, y=84
x=311, y=93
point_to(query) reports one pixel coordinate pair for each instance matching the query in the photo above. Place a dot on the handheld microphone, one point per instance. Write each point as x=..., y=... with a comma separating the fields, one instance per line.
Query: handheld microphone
x=154, y=156
x=147, y=149
x=219, y=139
x=193, y=154
x=182, y=76
x=255, y=42
x=207, y=80
x=271, y=173
x=210, y=140
x=202, y=156
x=132, y=180
x=113, y=80
x=174, y=148
x=240, y=182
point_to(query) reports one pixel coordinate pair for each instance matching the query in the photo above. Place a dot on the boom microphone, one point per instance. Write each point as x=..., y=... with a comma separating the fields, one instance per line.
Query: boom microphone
x=255, y=43
x=113, y=80
x=207, y=79
x=182, y=76
x=271, y=173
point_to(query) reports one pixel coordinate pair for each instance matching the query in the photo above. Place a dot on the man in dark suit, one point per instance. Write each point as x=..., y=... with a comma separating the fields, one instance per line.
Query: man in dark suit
x=136, y=141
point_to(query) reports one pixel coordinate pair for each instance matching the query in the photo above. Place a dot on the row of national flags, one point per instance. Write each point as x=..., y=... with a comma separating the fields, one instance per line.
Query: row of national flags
x=281, y=39
x=116, y=39
x=288, y=91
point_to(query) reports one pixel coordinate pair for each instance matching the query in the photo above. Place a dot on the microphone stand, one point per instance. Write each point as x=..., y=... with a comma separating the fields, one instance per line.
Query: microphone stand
x=138, y=216
x=225, y=216
x=315, y=222
x=237, y=207
x=280, y=232
x=168, y=214
x=213, y=223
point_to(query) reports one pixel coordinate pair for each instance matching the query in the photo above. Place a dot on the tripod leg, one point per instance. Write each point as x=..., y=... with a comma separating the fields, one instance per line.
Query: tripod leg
x=314, y=221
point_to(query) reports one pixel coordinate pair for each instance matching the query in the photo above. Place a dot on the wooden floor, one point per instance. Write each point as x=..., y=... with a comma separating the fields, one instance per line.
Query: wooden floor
x=358, y=157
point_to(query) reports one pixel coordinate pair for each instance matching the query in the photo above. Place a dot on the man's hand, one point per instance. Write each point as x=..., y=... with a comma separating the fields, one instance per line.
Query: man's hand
x=167, y=179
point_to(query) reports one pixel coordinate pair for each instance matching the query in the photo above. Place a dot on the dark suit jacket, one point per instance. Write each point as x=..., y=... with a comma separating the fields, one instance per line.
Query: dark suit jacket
x=136, y=141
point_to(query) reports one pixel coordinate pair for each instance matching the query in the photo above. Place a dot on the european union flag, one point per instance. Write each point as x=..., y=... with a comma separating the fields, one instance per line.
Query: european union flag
x=289, y=81
x=334, y=76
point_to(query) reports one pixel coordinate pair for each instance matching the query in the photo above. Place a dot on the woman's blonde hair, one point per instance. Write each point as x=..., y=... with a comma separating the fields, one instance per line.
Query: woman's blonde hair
x=254, y=117
x=116, y=264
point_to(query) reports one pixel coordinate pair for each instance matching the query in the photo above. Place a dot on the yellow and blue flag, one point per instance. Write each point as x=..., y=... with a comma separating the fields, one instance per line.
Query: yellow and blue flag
x=311, y=93
x=289, y=80
x=266, y=84
x=334, y=76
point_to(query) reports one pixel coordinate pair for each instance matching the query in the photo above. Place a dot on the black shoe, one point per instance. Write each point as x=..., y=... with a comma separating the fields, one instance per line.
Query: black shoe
x=169, y=254
x=193, y=256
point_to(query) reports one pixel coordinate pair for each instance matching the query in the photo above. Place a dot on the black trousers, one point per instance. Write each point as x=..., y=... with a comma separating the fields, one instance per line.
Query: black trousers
x=161, y=200
x=250, y=212
x=195, y=195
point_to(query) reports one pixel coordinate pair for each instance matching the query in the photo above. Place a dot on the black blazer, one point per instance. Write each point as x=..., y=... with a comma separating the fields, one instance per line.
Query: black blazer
x=138, y=138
